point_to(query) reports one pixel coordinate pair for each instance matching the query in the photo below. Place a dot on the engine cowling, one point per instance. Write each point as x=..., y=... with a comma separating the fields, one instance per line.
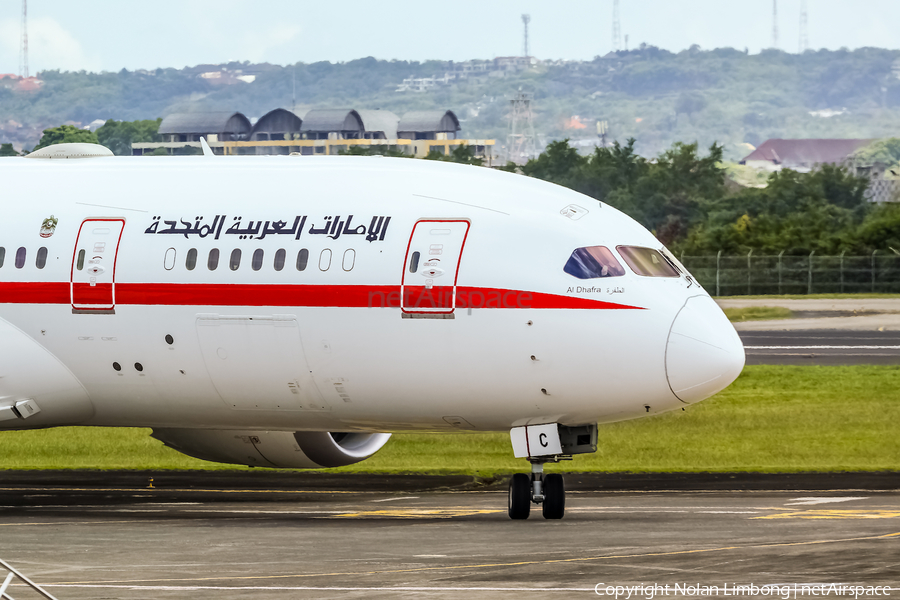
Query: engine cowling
x=280, y=449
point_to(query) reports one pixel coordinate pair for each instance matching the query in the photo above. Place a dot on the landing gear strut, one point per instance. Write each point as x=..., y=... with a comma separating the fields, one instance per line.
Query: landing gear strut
x=548, y=442
x=546, y=490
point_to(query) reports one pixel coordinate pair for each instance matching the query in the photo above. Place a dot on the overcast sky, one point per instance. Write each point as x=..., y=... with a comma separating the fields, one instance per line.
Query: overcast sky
x=108, y=35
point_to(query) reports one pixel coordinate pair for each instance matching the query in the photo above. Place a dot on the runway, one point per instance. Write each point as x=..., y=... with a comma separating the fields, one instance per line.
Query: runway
x=811, y=347
x=414, y=543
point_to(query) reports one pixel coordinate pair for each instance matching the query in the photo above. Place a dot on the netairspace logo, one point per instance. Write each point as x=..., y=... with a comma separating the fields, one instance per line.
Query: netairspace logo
x=784, y=591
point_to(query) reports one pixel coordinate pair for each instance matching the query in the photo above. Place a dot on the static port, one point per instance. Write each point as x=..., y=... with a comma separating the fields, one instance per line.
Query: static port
x=169, y=339
x=139, y=367
x=117, y=366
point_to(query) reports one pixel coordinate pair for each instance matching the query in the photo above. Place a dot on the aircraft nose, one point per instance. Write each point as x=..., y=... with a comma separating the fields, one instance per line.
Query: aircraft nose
x=704, y=353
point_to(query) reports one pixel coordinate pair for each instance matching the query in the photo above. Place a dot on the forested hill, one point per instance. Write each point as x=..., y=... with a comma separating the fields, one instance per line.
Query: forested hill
x=655, y=96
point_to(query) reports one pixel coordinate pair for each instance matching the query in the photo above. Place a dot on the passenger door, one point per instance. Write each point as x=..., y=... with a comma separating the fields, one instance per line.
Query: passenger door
x=93, y=279
x=431, y=266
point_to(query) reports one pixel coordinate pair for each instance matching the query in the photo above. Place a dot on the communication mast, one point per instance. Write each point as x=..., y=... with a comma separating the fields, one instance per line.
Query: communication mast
x=23, y=50
x=617, y=28
x=520, y=142
x=526, y=19
x=774, y=23
x=804, y=23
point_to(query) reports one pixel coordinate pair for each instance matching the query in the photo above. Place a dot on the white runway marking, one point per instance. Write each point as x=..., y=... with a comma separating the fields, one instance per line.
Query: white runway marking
x=819, y=500
x=401, y=498
x=191, y=588
x=821, y=347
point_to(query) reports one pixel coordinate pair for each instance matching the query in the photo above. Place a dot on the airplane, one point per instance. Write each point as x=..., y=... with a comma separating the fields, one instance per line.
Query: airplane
x=289, y=312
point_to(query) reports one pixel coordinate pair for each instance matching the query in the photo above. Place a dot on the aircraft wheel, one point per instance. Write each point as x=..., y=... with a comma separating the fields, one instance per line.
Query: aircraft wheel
x=554, y=506
x=519, y=496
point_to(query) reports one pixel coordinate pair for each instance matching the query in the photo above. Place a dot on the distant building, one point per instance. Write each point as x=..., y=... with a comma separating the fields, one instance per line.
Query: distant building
x=319, y=131
x=214, y=126
x=22, y=84
x=802, y=155
x=514, y=63
x=379, y=124
x=276, y=125
x=332, y=124
x=428, y=125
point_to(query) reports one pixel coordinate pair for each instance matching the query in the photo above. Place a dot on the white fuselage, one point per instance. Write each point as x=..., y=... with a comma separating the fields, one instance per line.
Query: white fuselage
x=341, y=345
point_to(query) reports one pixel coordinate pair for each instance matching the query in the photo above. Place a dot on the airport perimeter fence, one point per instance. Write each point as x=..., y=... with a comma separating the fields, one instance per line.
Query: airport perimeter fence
x=753, y=274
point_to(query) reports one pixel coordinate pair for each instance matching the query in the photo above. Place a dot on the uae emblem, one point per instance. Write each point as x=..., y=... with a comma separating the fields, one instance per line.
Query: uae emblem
x=49, y=226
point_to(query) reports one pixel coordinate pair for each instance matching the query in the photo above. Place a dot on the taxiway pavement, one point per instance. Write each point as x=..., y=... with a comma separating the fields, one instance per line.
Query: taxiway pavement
x=426, y=540
x=822, y=332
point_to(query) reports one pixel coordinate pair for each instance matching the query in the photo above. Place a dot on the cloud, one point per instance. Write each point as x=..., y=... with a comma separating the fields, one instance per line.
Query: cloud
x=265, y=45
x=9, y=46
x=50, y=46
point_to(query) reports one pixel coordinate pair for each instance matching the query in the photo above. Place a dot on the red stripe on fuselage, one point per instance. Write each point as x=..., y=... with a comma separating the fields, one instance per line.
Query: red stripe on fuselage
x=297, y=295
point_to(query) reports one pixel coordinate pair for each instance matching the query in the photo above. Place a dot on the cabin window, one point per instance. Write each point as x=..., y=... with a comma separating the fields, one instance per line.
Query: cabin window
x=79, y=264
x=20, y=258
x=325, y=260
x=414, y=262
x=647, y=262
x=169, y=262
x=2, y=255
x=235, y=261
x=257, y=262
x=41, y=260
x=212, y=263
x=279, y=259
x=191, y=261
x=592, y=262
x=349, y=259
x=302, y=259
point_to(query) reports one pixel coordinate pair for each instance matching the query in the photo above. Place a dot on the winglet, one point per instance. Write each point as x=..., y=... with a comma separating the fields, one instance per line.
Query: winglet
x=207, y=151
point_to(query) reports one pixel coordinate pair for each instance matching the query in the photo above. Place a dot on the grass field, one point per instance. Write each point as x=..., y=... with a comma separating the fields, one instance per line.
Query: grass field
x=757, y=313
x=812, y=297
x=772, y=419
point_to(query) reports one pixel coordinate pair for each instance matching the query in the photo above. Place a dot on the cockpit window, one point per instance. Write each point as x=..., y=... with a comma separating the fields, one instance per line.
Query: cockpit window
x=647, y=262
x=593, y=262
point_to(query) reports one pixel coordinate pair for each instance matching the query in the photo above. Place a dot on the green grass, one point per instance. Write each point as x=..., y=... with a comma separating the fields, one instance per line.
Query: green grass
x=757, y=313
x=811, y=297
x=772, y=419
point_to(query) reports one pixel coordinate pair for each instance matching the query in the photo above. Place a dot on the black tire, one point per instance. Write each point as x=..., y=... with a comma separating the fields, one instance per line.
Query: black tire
x=519, y=496
x=554, y=506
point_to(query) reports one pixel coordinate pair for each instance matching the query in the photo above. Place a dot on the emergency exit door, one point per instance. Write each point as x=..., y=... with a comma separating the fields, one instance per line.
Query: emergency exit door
x=432, y=266
x=94, y=265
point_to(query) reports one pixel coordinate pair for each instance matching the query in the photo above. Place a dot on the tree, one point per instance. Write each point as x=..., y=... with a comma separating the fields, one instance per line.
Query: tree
x=559, y=163
x=825, y=210
x=690, y=102
x=461, y=154
x=382, y=150
x=7, y=150
x=65, y=134
x=119, y=135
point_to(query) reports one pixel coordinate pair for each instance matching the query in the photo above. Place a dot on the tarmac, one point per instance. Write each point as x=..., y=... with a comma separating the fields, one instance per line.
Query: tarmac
x=877, y=314
x=269, y=535
x=301, y=536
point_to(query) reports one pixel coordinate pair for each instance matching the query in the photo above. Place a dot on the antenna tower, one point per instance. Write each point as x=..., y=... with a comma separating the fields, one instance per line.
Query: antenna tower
x=774, y=23
x=617, y=27
x=526, y=19
x=804, y=23
x=23, y=51
x=520, y=141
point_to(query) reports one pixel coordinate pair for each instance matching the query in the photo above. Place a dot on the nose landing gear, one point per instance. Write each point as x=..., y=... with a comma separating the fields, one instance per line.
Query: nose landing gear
x=546, y=490
x=549, y=442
